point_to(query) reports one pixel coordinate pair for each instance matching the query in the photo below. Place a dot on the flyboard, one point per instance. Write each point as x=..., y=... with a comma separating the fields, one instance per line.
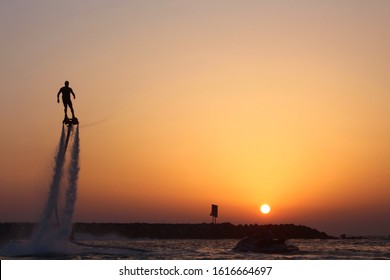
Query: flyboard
x=72, y=121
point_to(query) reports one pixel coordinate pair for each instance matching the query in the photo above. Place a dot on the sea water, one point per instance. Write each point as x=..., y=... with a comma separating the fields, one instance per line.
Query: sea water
x=194, y=249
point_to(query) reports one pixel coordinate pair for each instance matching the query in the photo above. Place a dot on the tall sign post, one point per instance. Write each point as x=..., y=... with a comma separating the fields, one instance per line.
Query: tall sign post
x=214, y=213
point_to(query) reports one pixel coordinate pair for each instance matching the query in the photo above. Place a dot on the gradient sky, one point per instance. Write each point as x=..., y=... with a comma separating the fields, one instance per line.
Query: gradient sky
x=187, y=103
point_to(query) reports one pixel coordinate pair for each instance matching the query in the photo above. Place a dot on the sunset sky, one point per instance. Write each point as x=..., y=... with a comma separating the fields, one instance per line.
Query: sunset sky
x=184, y=104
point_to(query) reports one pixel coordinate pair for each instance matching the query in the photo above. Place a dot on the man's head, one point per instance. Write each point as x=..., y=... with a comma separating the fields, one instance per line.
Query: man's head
x=66, y=83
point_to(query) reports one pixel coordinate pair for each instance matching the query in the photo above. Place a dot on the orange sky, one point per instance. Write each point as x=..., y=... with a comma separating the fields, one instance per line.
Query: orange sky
x=187, y=103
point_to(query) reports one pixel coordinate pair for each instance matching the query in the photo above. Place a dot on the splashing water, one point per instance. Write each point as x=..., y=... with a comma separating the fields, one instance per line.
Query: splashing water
x=74, y=168
x=52, y=232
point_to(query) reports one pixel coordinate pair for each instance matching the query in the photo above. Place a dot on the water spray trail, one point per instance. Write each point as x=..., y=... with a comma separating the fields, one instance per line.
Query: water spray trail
x=71, y=193
x=44, y=225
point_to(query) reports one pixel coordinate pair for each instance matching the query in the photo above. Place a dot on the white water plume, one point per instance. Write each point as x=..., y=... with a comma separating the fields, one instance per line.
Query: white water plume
x=73, y=173
x=53, y=230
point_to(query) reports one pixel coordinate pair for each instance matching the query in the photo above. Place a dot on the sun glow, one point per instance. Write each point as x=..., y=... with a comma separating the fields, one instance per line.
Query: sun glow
x=265, y=209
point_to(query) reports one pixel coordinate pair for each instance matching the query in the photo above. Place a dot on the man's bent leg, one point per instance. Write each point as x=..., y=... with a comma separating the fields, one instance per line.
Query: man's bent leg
x=71, y=108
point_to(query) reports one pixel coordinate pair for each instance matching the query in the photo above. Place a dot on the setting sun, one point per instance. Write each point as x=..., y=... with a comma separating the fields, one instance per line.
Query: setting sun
x=265, y=208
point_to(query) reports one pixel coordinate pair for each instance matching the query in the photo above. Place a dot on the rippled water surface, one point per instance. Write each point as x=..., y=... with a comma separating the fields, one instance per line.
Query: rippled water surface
x=373, y=248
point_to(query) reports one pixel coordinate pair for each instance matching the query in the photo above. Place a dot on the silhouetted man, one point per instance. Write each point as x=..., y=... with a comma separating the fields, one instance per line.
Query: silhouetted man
x=66, y=91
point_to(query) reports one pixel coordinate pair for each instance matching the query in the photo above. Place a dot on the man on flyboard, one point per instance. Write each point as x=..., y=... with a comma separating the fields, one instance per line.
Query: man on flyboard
x=66, y=91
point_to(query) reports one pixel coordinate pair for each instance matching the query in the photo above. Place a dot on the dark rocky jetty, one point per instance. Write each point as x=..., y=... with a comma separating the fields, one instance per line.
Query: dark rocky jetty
x=15, y=231
x=169, y=231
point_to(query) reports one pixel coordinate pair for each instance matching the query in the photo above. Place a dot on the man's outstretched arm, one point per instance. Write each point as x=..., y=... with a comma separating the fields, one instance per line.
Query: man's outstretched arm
x=58, y=96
